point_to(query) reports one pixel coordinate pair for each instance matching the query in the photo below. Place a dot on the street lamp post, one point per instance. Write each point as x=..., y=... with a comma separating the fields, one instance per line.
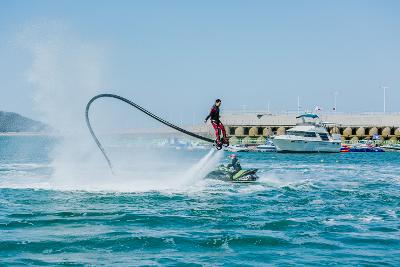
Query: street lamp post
x=335, y=101
x=298, y=105
x=384, y=98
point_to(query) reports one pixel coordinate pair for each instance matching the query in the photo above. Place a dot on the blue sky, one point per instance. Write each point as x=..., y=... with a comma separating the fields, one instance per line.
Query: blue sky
x=178, y=56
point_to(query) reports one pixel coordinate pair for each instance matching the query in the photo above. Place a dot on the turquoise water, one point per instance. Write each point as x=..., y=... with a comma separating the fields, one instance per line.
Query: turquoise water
x=336, y=209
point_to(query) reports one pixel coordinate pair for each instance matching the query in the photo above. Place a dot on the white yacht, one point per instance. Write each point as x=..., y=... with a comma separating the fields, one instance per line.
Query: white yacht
x=309, y=135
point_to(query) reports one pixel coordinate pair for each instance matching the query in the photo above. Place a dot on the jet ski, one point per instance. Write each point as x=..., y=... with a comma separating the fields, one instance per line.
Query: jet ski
x=226, y=174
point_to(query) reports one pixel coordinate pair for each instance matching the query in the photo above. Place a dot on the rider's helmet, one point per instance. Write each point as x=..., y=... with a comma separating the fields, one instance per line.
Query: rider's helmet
x=232, y=156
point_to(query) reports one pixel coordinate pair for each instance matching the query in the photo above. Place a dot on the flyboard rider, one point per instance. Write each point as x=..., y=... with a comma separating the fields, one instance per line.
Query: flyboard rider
x=217, y=124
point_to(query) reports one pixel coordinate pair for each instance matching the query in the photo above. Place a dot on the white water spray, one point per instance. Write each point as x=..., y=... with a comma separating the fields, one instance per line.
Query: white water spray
x=204, y=166
x=66, y=72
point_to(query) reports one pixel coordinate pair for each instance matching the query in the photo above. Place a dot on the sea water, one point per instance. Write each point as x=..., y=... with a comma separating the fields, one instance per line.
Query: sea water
x=306, y=209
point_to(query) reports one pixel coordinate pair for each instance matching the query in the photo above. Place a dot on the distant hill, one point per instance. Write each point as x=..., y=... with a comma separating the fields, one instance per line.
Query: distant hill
x=13, y=122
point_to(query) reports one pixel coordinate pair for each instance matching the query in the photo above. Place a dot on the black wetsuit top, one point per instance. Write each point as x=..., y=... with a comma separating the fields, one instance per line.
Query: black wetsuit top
x=214, y=114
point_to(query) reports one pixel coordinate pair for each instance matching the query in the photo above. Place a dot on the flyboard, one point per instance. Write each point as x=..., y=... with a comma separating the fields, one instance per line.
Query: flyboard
x=145, y=111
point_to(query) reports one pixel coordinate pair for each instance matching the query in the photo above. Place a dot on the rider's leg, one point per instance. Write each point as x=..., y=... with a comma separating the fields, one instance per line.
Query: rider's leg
x=222, y=128
x=216, y=128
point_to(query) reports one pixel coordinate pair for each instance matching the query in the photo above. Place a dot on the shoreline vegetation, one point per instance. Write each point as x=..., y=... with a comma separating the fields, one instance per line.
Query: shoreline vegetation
x=13, y=123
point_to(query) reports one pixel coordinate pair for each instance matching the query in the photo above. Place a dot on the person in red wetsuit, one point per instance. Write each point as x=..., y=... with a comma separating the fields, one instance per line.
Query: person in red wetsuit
x=216, y=123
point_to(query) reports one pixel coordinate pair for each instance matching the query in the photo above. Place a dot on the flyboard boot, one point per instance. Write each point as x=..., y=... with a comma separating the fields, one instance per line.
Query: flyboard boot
x=218, y=143
x=225, y=141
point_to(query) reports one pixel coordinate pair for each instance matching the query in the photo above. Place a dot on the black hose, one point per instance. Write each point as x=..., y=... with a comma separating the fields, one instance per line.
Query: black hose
x=142, y=110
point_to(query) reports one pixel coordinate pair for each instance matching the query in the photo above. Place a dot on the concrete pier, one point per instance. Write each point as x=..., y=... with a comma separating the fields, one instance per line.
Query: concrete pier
x=254, y=126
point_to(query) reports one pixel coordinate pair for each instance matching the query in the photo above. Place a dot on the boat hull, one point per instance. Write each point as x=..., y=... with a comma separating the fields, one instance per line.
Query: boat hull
x=391, y=148
x=304, y=146
x=263, y=148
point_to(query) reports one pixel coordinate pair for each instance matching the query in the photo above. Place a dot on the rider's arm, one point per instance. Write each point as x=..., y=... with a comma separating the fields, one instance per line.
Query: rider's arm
x=209, y=115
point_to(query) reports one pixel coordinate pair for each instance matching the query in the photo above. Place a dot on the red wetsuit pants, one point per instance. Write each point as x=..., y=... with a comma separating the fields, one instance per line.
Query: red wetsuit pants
x=218, y=126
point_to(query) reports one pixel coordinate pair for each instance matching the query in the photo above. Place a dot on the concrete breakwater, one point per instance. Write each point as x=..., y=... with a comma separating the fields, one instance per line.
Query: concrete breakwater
x=255, y=127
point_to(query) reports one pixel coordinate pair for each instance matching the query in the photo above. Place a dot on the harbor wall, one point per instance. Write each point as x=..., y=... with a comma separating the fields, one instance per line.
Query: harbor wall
x=256, y=126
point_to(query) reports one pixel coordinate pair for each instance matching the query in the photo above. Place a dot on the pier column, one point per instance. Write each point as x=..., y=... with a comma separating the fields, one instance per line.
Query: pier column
x=233, y=140
x=335, y=130
x=386, y=132
x=354, y=139
x=347, y=132
x=397, y=133
x=268, y=132
x=373, y=131
x=281, y=131
x=261, y=140
x=253, y=131
x=246, y=140
x=360, y=132
x=239, y=131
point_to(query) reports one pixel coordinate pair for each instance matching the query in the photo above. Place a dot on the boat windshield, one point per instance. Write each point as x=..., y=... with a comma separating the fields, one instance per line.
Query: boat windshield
x=303, y=134
x=324, y=136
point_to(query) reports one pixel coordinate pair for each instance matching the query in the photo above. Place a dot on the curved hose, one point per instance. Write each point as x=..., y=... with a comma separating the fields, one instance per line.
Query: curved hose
x=142, y=110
